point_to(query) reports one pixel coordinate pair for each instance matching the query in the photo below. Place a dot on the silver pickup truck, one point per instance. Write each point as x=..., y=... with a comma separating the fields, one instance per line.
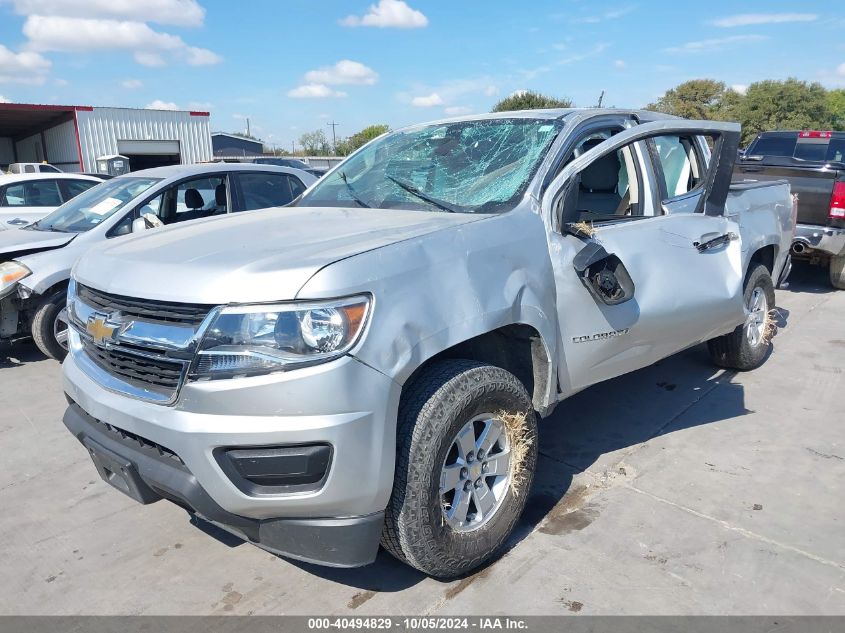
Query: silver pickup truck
x=370, y=367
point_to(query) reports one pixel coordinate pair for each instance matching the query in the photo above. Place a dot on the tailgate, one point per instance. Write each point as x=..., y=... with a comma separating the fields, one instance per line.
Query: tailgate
x=813, y=185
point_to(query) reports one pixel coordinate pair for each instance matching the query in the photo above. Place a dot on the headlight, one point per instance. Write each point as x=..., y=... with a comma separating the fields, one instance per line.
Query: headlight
x=259, y=339
x=10, y=274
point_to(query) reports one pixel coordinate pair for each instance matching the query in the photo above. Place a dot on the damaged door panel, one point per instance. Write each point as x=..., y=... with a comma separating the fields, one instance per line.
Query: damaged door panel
x=648, y=284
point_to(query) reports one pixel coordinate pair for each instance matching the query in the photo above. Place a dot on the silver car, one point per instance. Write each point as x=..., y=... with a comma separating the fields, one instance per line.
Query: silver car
x=369, y=366
x=35, y=261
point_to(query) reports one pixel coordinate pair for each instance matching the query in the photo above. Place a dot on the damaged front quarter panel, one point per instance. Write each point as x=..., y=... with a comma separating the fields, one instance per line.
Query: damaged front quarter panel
x=445, y=288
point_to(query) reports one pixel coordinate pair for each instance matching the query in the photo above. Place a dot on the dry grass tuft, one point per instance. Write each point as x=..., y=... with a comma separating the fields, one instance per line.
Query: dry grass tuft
x=583, y=228
x=519, y=440
x=770, y=325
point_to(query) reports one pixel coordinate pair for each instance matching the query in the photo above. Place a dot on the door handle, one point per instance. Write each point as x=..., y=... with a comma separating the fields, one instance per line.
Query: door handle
x=18, y=222
x=715, y=242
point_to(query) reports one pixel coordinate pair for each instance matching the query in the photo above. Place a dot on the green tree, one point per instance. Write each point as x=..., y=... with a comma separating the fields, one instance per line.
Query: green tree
x=694, y=99
x=836, y=105
x=314, y=143
x=529, y=100
x=363, y=137
x=784, y=105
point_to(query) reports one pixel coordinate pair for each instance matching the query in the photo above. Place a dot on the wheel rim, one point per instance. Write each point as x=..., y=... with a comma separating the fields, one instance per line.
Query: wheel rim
x=755, y=322
x=476, y=474
x=60, y=328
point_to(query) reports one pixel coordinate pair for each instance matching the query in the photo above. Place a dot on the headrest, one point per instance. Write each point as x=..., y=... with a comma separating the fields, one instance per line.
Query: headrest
x=602, y=175
x=220, y=195
x=193, y=199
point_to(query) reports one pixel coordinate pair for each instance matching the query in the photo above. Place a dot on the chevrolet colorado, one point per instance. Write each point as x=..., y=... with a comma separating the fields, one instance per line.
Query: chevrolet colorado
x=369, y=367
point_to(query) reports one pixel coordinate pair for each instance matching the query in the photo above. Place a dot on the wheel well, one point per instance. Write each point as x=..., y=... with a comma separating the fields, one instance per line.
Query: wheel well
x=517, y=348
x=764, y=256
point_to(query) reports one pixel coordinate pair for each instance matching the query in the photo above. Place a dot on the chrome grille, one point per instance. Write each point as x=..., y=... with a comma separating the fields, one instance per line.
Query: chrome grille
x=163, y=311
x=145, y=371
x=138, y=347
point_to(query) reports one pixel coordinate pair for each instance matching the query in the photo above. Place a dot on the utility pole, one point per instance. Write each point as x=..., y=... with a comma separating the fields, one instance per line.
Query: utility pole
x=247, y=127
x=601, y=98
x=333, y=125
x=293, y=147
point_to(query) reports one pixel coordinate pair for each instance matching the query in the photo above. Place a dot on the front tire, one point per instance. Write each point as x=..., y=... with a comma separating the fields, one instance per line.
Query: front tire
x=747, y=346
x=466, y=453
x=49, y=326
x=837, y=272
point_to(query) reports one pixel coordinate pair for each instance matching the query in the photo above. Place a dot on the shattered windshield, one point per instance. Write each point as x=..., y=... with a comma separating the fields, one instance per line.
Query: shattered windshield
x=481, y=166
x=89, y=209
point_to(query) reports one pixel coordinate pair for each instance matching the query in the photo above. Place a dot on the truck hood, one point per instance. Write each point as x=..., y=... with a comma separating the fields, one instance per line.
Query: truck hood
x=18, y=242
x=257, y=256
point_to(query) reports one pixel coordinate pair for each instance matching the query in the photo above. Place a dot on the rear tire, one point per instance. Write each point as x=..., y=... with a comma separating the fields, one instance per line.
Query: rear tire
x=837, y=272
x=49, y=326
x=747, y=346
x=447, y=527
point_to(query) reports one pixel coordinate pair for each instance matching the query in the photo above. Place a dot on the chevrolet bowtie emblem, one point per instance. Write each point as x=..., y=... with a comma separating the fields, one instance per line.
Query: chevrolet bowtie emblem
x=100, y=329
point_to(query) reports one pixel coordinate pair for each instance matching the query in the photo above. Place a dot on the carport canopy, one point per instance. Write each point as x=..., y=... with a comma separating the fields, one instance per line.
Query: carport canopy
x=20, y=120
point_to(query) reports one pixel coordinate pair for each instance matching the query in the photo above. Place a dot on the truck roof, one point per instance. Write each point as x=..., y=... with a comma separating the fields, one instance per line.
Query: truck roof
x=551, y=114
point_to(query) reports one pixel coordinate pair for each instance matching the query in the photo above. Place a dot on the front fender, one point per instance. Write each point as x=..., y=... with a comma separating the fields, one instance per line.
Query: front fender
x=435, y=291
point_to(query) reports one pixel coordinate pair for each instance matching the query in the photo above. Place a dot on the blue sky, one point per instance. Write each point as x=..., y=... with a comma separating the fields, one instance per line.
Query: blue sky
x=294, y=65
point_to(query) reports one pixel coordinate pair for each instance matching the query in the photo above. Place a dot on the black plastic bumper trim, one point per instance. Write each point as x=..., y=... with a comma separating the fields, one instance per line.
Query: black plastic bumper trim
x=336, y=542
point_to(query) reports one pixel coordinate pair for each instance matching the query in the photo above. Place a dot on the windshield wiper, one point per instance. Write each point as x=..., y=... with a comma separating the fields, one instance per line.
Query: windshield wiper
x=422, y=196
x=352, y=191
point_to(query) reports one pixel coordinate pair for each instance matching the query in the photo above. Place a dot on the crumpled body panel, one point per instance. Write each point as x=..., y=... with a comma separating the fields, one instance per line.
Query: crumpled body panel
x=434, y=292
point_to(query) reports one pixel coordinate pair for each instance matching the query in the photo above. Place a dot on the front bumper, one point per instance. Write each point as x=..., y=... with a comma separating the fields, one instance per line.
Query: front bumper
x=828, y=240
x=344, y=403
x=148, y=474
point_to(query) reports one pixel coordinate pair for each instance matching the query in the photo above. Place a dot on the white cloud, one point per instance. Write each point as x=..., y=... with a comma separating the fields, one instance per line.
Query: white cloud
x=179, y=12
x=200, y=105
x=748, y=19
x=201, y=57
x=388, y=13
x=427, y=101
x=619, y=63
x=840, y=70
x=158, y=104
x=613, y=14
x=714, y=44
x=26, y=67
x=740, y=88
x=450, y=92
x=314, y=91
x=344, y=72
x=457, y=110
x=4, y=99
x=67, y=34
x=131, y=84
x=61, y=82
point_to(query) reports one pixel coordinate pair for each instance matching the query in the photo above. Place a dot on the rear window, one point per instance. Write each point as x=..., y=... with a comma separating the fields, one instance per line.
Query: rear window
x=809, y=148
x=770, y=145
x=836, y=150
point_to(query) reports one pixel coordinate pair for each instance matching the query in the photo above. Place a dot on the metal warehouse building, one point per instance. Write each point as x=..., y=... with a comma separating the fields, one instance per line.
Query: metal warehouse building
x=73, y=137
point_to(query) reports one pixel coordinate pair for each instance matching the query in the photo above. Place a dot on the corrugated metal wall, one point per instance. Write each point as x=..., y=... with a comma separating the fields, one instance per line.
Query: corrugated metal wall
x=61, y=146
x=29, y=149
x=7, y=151
x=101, y=129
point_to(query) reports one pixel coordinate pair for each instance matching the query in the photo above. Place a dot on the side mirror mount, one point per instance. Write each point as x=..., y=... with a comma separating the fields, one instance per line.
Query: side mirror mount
x=147, y=220
x=603, y=274
x=568, y=211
